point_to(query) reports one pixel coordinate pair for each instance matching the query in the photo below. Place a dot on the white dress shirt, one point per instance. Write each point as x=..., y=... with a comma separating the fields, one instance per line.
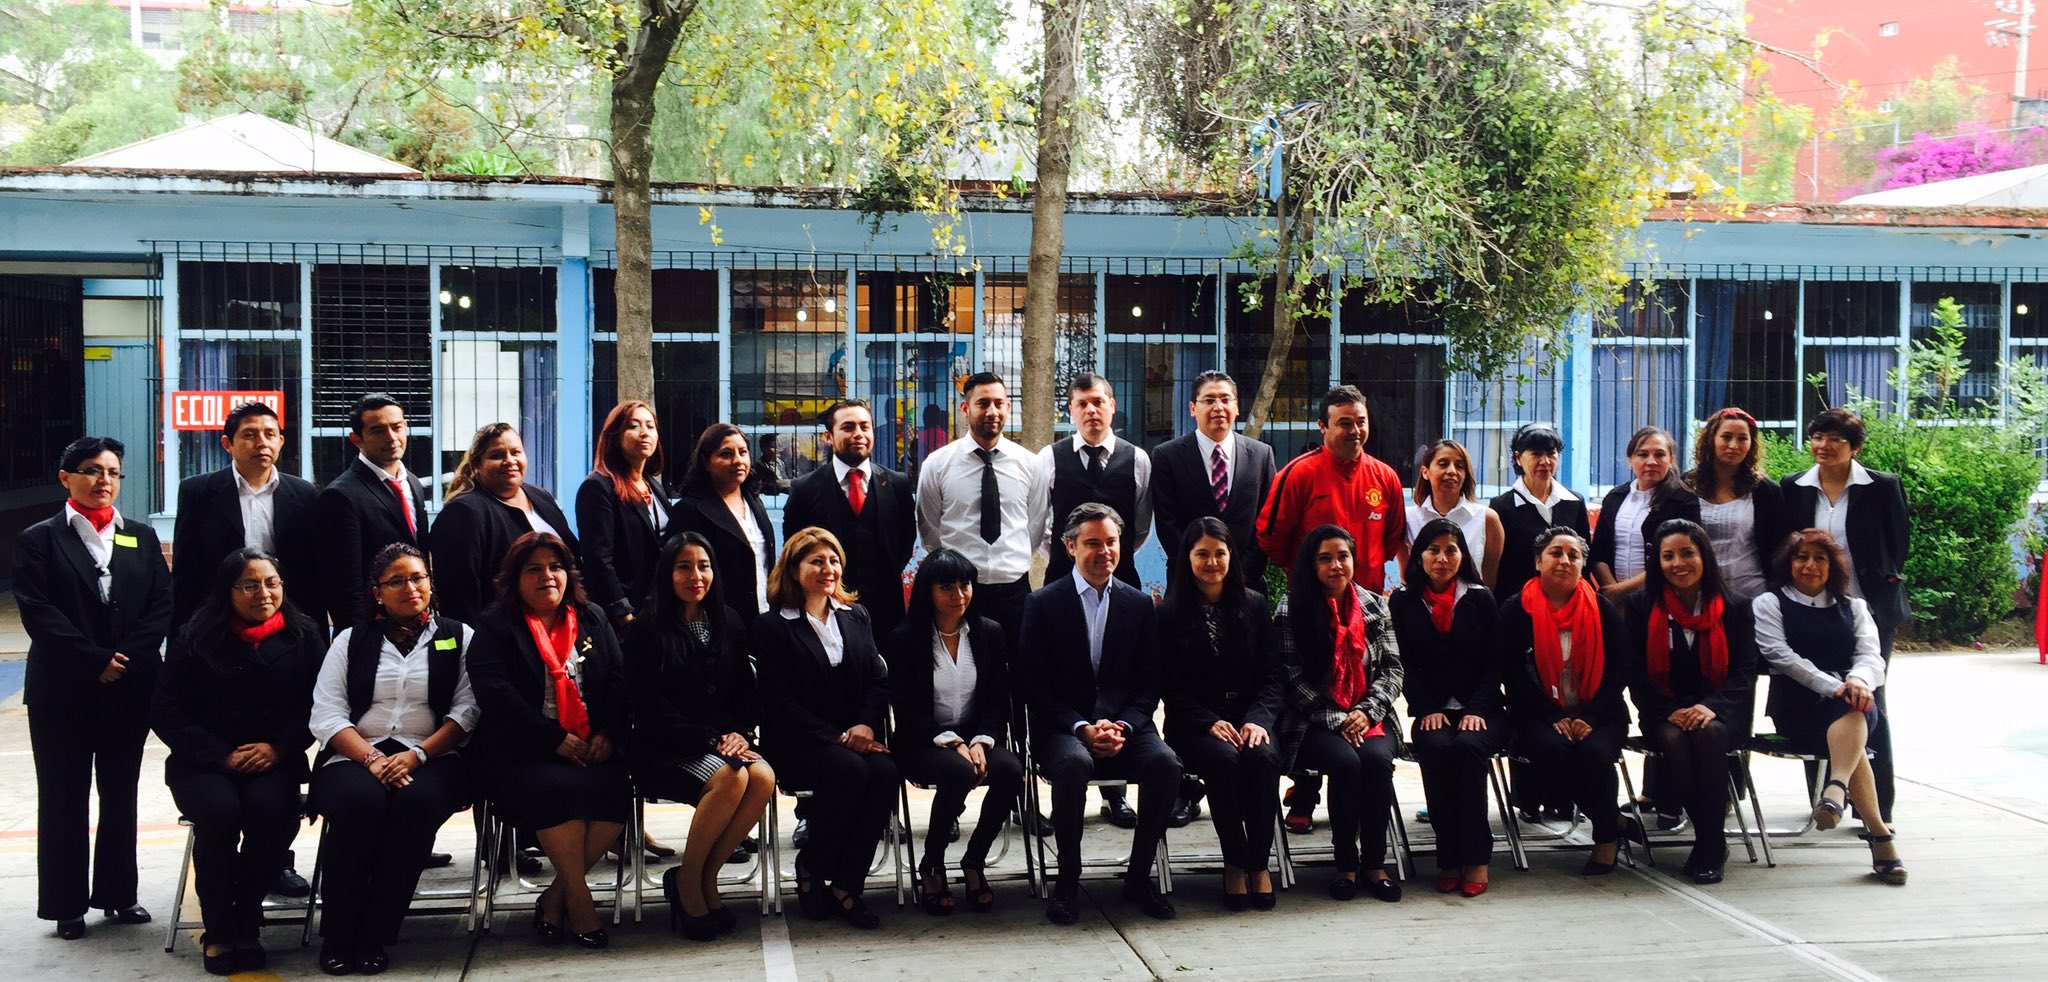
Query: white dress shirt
x=404, y=486
x=398, y=701
x=826, y=628
x=953, y=681
x=1469, y=515
x=99, y=544
x=949, y=507
x=1208, y=451
x=1832, y=517
x=1628, y=532
x=1544, y=506
x=1731, y=527
x=259, y=511
x=1136, y=527
x=1866, y=666
x=867, y=477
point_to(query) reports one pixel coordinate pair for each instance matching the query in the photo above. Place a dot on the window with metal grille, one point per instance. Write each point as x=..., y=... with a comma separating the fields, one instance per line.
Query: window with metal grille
x=1982, y=308
x=372, y=332
x=788, y=349
x=685, y=400
x=916, y=346
x=1638, y=376
x=1745, y=332
x=240, y=323
x=1852, y=343
x=42, y=390
x=1395, y=354
x=1160, y=332
x=1290, y=425
x=1003, y=340
x=498, y=362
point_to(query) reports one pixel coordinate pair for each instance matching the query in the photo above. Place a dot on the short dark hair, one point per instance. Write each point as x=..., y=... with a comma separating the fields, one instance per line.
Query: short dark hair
x=1845, y=423
x=1537, y=438
x=1340, y=395
x=368, y=404
x=1090, y=511
x=1545, y=537
x=86, y=448
x=1088, y=382
x=1215, y=376
x=1710, y=565
x=979, y=379
x=940, y=566
x=243, y=412
x=830, y=417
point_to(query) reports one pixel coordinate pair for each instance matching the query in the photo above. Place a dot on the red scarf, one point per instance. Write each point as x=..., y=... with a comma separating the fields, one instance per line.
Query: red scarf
x=1348, y=682
x=1706, y=625
x=255, y=634
x=556, y=648
x=1581, y=616
x=1441, y=606
x=99, y=517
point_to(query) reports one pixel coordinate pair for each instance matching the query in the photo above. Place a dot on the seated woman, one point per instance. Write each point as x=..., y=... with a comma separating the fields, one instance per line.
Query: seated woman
x=1565, y=653
x=1223, y=702
x=825, y=702
x=1696, y=660
x=1448, y=630
x=231, y=705
x=951, y=692
x=1343, y=670
x=695, y=707
x=552, y=684
x=391, y=709
x=1823, y=645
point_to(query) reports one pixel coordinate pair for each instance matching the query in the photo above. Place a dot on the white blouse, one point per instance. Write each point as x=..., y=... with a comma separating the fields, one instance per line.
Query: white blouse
x=1832, y=517
x=953, y=682
x=826, y=628
x=1866, y=667
x=398, y=701
x=755, y=545
x=1731, y=527
x=1628, y=532
x=1469, y=515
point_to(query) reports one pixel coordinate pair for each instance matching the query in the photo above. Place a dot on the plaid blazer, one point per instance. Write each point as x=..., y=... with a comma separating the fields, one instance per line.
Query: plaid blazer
x=1308, y=701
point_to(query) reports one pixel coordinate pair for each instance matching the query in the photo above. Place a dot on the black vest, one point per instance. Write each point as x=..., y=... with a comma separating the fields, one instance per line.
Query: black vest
x=864, y=549
x=1072, y=488
x=444, y=668
x=1825, y=636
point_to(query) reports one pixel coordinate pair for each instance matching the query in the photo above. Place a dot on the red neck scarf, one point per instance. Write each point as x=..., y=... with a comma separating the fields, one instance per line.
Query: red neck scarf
x=99, y=517
x=1348, y=682
x=556, y=648
x=1441, y=606
x=255, y=634
x=1706, y=625
x=1581, y=616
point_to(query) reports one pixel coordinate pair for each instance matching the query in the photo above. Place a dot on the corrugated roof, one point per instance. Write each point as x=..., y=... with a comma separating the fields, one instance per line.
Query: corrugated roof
x=244, y=143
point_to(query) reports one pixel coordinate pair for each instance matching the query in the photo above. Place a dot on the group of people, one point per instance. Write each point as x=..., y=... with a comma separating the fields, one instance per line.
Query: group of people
x=550, y=670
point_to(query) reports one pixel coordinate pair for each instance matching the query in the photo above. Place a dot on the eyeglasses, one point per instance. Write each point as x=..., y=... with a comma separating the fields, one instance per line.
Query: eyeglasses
x=96, y=471
x=250, y=588
x=401, y=582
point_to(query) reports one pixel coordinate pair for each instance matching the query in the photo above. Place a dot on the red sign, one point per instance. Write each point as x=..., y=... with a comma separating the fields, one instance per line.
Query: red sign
x=208, y=410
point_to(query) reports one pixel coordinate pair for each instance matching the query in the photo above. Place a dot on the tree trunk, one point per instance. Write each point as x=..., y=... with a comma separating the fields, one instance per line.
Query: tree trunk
x=644, y=58
x=1286, y=299
x=1048, y=217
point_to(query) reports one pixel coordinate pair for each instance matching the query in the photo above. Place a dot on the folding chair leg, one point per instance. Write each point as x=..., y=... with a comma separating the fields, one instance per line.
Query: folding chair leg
x=178, y=899
x=1741, y=823
x=1635, y=806
x=1404, y=857
x=1756, y=810
x=313, y=885
x=1285, y=855
x=636, y=824
x=1496, y=775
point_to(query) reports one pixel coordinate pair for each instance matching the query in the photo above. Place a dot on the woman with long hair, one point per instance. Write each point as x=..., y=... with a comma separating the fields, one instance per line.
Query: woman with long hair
x=231, y=705
x=720, y=504
x=1742, y=510
x=1631, y=512
x=488, y=505
x=1445, y=487
x=622, y=511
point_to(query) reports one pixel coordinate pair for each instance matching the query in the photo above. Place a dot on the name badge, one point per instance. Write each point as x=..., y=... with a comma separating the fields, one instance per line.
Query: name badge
x=126, y=541
x=444, y=644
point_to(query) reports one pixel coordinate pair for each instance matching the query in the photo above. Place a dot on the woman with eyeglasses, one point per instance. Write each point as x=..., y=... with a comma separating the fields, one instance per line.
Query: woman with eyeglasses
x=489, y=505
x=392, y=710
x=232, y=704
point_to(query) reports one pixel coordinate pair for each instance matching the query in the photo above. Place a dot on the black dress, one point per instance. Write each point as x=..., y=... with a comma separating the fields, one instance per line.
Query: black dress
x=1456, y=674
x=516, y=763
x=692, y=684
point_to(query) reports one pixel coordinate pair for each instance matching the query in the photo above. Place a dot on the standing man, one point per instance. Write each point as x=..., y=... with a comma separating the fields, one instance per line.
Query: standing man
x=982, y=497
x=374, y=503
x=1213, y=471
x=1095, y=678
x=1095, y=466
x=247, y=504
x=867, y=506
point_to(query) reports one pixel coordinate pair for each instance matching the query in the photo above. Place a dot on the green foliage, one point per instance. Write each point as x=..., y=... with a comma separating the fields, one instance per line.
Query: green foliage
x=1937, y=104
x=91, y=89
x=111, y=117
x=1776, y=136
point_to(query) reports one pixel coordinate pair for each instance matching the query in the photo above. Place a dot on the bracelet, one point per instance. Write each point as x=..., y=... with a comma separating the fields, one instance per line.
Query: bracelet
x=374, y=755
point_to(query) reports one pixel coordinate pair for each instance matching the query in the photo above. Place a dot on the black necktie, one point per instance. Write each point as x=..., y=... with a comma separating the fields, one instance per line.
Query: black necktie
x=991, y=497
x=1094, y=464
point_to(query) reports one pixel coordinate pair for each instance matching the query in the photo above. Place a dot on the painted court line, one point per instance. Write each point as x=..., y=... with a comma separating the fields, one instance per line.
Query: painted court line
x=778, y=956
x=1833, y=965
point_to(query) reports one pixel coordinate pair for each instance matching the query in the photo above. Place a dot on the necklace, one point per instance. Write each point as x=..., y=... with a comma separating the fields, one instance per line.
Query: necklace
x=943, y=634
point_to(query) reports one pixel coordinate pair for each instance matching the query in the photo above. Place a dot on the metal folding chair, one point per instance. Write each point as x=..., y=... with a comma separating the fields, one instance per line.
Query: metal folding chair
x=636, y=826
x=302, y=910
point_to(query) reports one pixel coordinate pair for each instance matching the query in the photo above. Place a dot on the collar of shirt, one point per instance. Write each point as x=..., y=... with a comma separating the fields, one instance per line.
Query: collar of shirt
x=1208, y=447
x=793, y=613
x=1858, y=474
x=1081, y=584
x=384, y=474
x=1463, y=511
x=242, y=483
x=1825, y=599
x=1637, y=495
x=1558, y=492
x=84, y=524
x=1108, y=446
x=840, y=470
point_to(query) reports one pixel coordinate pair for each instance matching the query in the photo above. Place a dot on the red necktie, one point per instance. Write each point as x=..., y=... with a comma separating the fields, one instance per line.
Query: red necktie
x=856, y=492
x=398, y=490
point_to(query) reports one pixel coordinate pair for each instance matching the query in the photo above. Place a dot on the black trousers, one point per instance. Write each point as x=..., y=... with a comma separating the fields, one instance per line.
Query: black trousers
x=852, y=796
x=1695, y=776
x=377, y=841
x=1361, y=791
x=1244, y=794
x=98, y=741
x=951, y=777
x=1145, y=761
x=1583, y=771
x=1454, y=766
x=242, y=824
x=1880, y=740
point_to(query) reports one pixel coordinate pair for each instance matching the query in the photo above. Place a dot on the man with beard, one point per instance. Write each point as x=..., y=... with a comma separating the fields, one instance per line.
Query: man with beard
x=867, y=506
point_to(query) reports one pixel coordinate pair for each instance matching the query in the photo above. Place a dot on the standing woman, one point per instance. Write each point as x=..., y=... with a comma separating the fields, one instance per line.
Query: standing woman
x=1864, y=512
x=1223, y=701
x=237, y=687
x=951, y=693
x=392, y=709
x=95, y=599
x=1535, y=502
x=1448, y=628
x=1445, y=488
x=1566, y=658
x=1631, y=513
x=695, y=707
x=1697, y=665
x=1823, y=643
x=489, y=505
x=552, y=684
x=719, y=504
x=1343, y=670
x=825, y=696
x=1742, y=509
x=622, y=512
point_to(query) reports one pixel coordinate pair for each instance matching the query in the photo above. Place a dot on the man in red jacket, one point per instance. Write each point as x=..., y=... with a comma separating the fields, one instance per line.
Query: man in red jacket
x=1337, y=484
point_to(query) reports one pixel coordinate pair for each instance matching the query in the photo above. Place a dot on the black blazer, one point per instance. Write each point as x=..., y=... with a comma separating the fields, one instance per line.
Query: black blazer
x=358, y=515
x=209, y=526
x=1880, y=535
x=1463, y=665
x=1733, y=703
x=1181, y=494
x=72, y=634
x=509, y=678
x=1679, y=503
x=817, y=499
x=471, y=538
x=805, y=702
x=1237, y=685
x=687, y=697
x=619, y=545
x=202, y=713
x=1063, y=688
x=910, y=684
x=1527, y=697
x=1520, y=525
x=700, y=511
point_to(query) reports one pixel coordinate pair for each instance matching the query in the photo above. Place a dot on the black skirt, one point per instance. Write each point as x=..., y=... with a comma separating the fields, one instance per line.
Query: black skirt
x=683, y=780
x=542, y=792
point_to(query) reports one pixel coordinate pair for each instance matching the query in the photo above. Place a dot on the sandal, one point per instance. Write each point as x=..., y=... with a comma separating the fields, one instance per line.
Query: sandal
x=981, y=898
x=1827, y=812
x=1893, y=870
x=934, y=894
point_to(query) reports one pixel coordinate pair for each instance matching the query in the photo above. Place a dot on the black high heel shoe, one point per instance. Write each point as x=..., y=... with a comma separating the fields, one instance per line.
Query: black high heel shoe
x=549, y=933
x=131, y=914
x=681, y=921
x=594, y=940
x=981, y=898
x=726, y=919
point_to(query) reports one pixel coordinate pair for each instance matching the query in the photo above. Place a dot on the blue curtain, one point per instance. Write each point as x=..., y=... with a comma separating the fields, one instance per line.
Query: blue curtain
x=1714, y=341
x=204, y=365
x=538, y=411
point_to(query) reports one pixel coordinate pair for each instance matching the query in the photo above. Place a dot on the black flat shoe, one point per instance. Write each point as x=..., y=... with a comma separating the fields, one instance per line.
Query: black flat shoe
x=131, y=914
x=854, y=911
x=1152, y=902
x=290, y=883
x=549, y=933
x=811, y=896
x=1120, y=813
x=741, y=855
x=1343, y=889
x=250, y=957
x=371, y=959
x=72, y=929
x=1596, y=869
x=436, y=860
x=224, y=963
x=1184, y=814
x=594, y=940
x=1707, y=875
x=1384, y=889
x=1062, y=910
x=337, y=958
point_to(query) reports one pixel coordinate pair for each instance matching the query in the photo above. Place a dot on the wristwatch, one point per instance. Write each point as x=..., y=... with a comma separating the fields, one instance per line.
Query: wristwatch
x=421, y=753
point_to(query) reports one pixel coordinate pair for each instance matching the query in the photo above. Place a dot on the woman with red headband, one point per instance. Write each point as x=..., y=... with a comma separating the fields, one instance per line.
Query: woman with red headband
x=1697, y=664
x=1742, y=510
